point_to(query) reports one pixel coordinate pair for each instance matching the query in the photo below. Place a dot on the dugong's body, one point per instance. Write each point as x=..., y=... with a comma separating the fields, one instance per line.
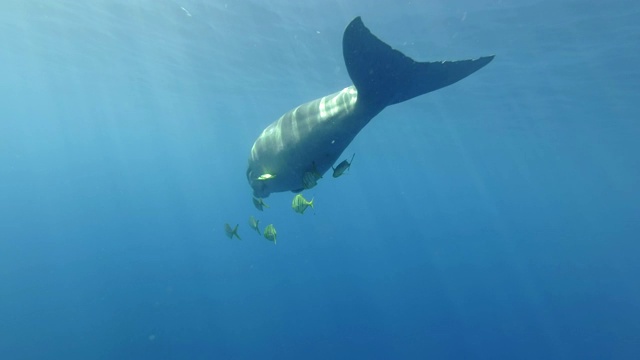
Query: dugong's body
x=311, y=137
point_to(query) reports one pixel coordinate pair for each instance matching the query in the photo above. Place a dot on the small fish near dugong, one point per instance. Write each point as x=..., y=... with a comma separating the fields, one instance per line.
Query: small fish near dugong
x=311, y=137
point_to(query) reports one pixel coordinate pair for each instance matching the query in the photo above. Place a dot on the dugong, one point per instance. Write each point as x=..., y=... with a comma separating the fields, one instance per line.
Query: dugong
x=311, y=137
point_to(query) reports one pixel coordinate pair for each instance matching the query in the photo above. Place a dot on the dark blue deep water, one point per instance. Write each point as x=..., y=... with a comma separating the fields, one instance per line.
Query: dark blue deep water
x=498, y=218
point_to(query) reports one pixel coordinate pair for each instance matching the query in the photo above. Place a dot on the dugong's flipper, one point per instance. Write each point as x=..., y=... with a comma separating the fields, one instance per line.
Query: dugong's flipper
x=384, y=76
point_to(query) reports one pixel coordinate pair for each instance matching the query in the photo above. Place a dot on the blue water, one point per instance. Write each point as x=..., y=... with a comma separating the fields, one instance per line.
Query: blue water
x=497, y=218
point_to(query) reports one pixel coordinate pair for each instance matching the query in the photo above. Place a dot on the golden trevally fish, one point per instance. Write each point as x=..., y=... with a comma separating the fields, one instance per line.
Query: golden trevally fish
x=253, y=223
x=310, y=178
x=300, y=204
x=259, y=203
x=342, y=167
x=231, y=232
x=270, y=233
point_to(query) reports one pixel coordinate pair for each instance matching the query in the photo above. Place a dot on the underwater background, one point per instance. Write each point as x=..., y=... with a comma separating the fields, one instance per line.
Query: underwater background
x=497, y=218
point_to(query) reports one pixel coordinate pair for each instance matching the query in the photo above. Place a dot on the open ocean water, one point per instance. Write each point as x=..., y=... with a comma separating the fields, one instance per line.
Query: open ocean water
x=498, y=218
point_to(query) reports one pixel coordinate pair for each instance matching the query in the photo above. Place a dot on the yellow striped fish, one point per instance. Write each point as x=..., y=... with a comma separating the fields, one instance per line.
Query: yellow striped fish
x=270, y=233
x=309, y=180
x=231, y=232
x=300, y=204
x=259, y=203
x=342, y=167
x=253, y=223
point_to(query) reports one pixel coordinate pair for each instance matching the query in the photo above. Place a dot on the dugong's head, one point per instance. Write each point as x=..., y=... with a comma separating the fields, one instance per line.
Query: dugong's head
x=260, y=186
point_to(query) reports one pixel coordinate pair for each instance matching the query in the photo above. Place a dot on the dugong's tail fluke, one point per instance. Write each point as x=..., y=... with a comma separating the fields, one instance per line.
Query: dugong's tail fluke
x=384, y=76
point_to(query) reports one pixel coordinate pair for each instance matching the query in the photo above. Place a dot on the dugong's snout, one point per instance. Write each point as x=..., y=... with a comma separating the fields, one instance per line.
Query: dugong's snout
x=259, y=187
